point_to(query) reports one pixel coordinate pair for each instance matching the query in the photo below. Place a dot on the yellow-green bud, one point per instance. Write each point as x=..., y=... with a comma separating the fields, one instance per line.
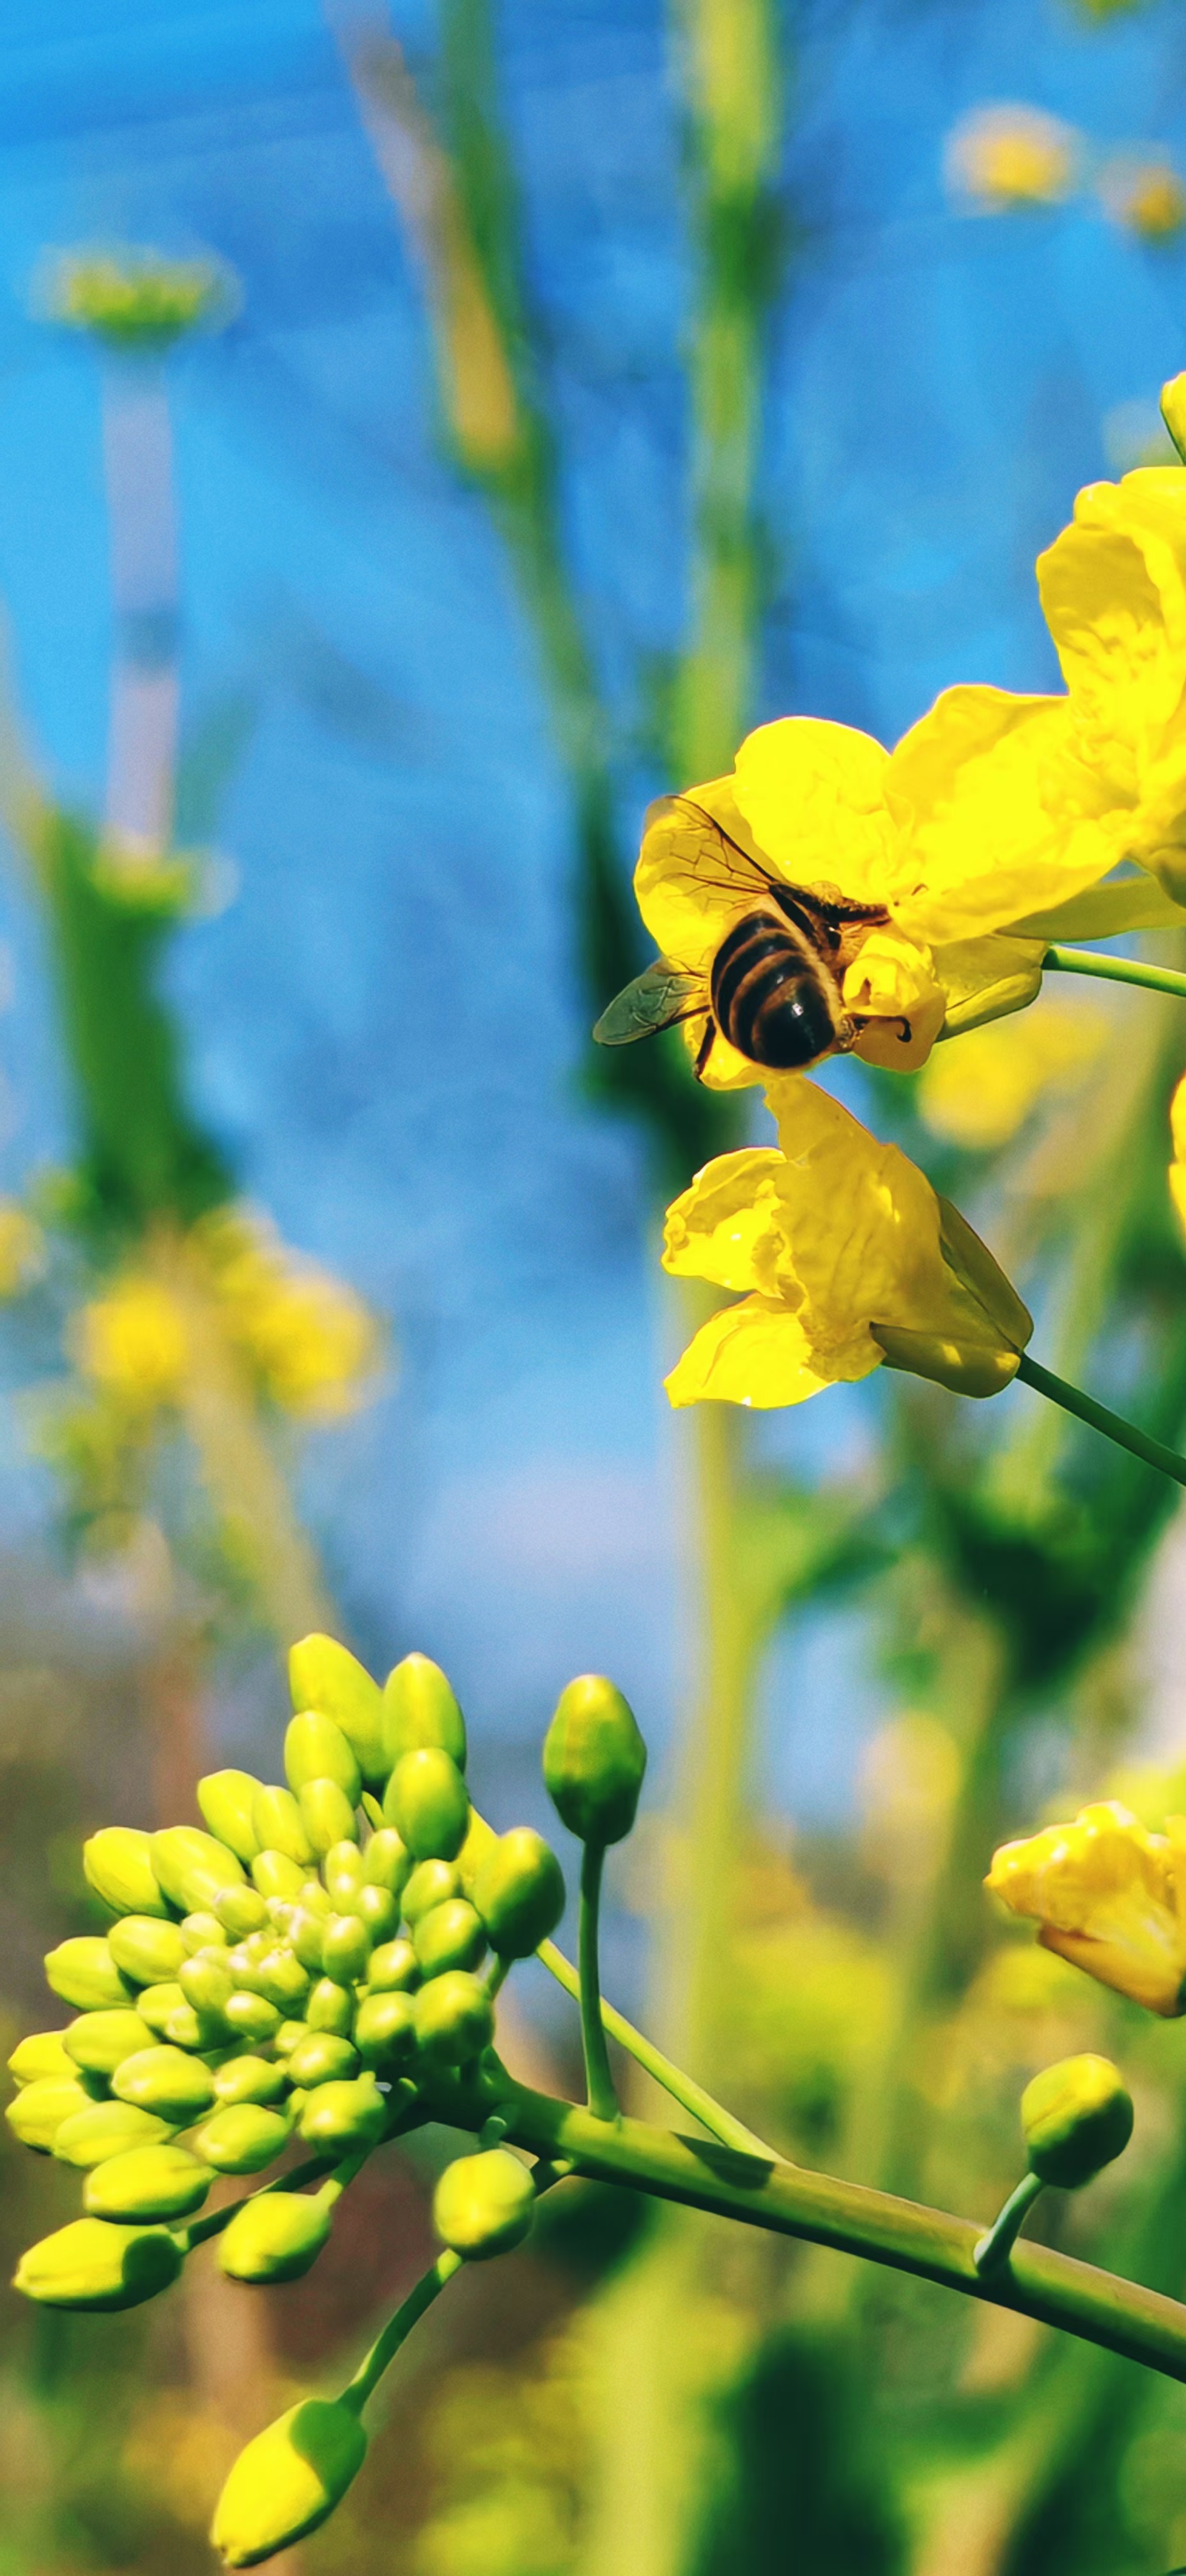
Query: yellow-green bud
x=448, y=1936
x=275, y=2238
x=100, y=2041
x=307, y=1933
x=345, y=2114
x=327, y=1678
x=325, y=2057
x=203, y=1931
x=252, y=2018
x=1075, y=2118
x=594, y=1760
x=146, y=1949
x=387, y=1862
x=39, y=2055
x=185, y=2027
x=313, y=1898
x=316, y=1749
x=42, y=2108
x=420, y=1708
x=385, y=2031
x=107, y=2129
x=250, y=2079
x=344, y=1871
x=280, y=1826
x=275, y=1874
x=330, y=2007
x=475, y=1852
x=192, y=1866
x=242, y=2137
x=162, y=2182
x=345, y=1948
x=283, y=1980
x=206, y=1982
x=157, y=2004
x=393, y=1968
x=379, y=1910
x=427, y=1802
x=91, y=2264
x=326, y=1814
x=484, y=2204
x=519, y=1893
x=227, y=1801
x=84, y=1973
x=454, y=2019
x=118, y=1865
x=178, y=2088
x=288, y=2480
x=433, y=1883
x=289, y=2036
x=240, y=1910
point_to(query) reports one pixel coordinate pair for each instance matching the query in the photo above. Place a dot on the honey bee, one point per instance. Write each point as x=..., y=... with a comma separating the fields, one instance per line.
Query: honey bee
x=773, y=988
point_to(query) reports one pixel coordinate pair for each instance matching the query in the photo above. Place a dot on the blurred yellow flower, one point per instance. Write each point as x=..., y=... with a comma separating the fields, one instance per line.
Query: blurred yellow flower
x=22, y=1248
x=132, y=1342
x=1145, y=197
x=1109, y=1896
x=981, y=1092
x=850, y=1259
x=1001, y=158
x=309, y=1340
x=136, y=299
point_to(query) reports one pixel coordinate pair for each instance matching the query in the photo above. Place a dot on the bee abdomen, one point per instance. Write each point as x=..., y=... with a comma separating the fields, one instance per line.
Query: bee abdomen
x=769, y=998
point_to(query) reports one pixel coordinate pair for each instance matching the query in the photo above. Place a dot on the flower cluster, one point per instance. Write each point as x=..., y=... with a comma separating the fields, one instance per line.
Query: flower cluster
x=138, y=301
x=1108, y=1895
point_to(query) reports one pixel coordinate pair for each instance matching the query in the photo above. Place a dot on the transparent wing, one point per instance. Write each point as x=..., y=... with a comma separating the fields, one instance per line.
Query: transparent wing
x=691, y=850
x=655, y=1000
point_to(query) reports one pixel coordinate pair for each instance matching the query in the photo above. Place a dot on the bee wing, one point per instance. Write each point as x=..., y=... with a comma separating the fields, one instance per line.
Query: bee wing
x=697, y=852
x=655, y=1000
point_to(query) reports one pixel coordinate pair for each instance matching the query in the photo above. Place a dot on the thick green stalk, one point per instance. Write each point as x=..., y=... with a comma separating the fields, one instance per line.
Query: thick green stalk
x=1115, y=970
x=1101, y=1418
x=599, y=2082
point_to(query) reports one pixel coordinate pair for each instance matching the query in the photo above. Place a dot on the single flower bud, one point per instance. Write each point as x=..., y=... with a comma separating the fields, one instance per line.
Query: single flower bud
x=240, y=1910
x=207, y=1983
x=242, y=2138
x=316, y=1749
x=84, y=1973
x=432, y=1883
x=40, y=2055
x=449, y=1936
x=118, y=1865
x=283, y=1980
x=519, y=1893
x=393, y=1968
x=278, y=1822
x=252, y=2018
x=162, y=2182
x=288, y=2480
x=42, y=2107
x=165, y=2080
x=454, y=2019
x=250, y=2079
x=325, y=1677
x=276, y=1875
x=146, y=1949
x=157, y=2004
x=307, y=1935
x=345, y=2114
x=484, y=2204
x=99, y=2041
x=594, y=1761
x=107, y=2129
x=1075, y=2117
x=192, y=1866
x=427, y=1802
x=331, y=2007
x=326, y=1814
x=325, y=2057
x=379, y=1910
x=344, y=1871
x=91, y=2264
x=385, y=2031
x=289, y=2036
x=345, y=1948
x=186, y=2027
x=387, y=1862
x=475, y=1852
x=227, y=1801
x=276, y=2237
x=203, y=1931
x=420, y=1709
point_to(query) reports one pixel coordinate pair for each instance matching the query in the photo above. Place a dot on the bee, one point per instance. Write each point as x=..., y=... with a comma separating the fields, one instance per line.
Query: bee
x=773, y=987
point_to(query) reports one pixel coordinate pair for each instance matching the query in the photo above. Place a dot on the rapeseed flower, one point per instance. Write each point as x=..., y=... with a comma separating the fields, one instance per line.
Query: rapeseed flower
x=132, y=1343
x=1000, y=159
x=308, y=1340
x=136, y=300
x=849, y=1259
x=980, y=1093
x=1109, y=1896
x=1144, y=197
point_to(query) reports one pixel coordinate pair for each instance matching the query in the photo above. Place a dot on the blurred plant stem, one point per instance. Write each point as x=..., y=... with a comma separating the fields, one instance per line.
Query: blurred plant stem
x=145, y=682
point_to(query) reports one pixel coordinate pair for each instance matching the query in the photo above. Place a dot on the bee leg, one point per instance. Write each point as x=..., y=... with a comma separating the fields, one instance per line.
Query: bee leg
x=705, y=1048
x=904, y=1025
x=847, y=1033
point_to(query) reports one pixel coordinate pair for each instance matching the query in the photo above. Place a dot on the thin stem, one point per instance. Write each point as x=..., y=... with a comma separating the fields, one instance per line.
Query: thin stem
x=599, y=2083
x=996, y=2247
x=496, y=1976
x=397, y=2329
x=1115, y=970
x=1114, y=1427
x=691, y=2096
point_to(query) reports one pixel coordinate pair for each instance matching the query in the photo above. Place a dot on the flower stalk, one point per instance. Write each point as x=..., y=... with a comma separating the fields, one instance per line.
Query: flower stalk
x=1116, y=970
x=599, y=2082
x=1100, y=1417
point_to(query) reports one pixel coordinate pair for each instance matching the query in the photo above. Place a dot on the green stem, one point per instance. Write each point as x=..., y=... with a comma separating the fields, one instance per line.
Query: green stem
x=1115, y=970
x=996, y=2247
x=1114, y=1427
x=691, y=2096
x=599, y=2083
x=397, y=2329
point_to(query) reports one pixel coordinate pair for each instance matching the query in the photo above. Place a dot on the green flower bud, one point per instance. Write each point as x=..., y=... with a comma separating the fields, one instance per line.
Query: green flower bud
x=246, y=1959
x=316, y=1749
x=475, y=1852
x=100, y=2041
x=250, y=2079
x=519, y=1893
x=157, y=2004
x=344, y=2115
x=91, y=2264
x=288, y=2480
x=307, y=1933
x=325, y=1677
x=313, y=1899
x=330, y=2007
x=40, y=2110
x=39, y=2056
x=83, y=1972
x=206, y=1983
x=227, y=1801
x=427, y=1801
x=345, y=1949
x=240, y=1910
x=448, y=1936
x=385, y=2031
x=326, y=1814
x=323, y=2058
x=276, y=1875
x=191, y=1866
x=454, y=2019
x=283, y=1980
x=118, y=1865
x=280, y=1825
x=107, y=2129
x=1075, y=2118
x=594, y=1761
x=387, y=1862
x=343, y=1870
x=146, y=1949
x=178, y=2088
x=419, y=1709
x=276, y=2237
x=393, y=1968
x=379, y=1910
x=433, y=1883
x=242, y=2138
x=289, y=2036
x=484, y=2204
x=186, y=2027
x=161, y=2182
x=205, y=1931
x=252, y=2017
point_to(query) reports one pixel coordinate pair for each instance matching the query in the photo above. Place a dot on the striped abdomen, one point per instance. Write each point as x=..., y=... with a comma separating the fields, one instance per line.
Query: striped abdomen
x=770, y=997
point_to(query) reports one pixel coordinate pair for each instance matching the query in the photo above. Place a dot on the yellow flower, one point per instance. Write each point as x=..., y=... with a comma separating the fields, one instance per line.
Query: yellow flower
x=132, y=1342
x=137, y=300
x=22, y=1248
x=1004, y=157
x=1178, y=1166
x=1109, y=1896
x=308, y=1338
x=850, y=1259
x=1145, y=197
x=981, y=1092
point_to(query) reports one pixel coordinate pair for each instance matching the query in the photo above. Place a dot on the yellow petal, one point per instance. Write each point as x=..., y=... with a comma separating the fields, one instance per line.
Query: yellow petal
x=1114, y=593
x=1147, y=1975
x=997, y=812
x=1125, y=903
x=1104, y=1891
x=690, y=884
x=813, y=796
x=753, y=1354
x=726, y=1226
